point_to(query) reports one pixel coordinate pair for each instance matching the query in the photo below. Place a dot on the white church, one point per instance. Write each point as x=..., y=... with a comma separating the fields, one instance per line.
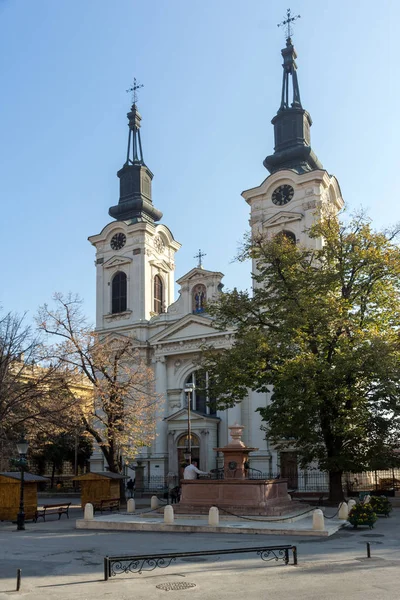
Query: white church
x=135, y=264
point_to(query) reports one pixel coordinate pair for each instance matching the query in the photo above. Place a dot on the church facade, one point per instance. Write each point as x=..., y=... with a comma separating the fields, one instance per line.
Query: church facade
x=135, y=274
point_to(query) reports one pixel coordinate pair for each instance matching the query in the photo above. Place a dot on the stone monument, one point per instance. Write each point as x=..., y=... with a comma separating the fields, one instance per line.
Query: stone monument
x=236, y=492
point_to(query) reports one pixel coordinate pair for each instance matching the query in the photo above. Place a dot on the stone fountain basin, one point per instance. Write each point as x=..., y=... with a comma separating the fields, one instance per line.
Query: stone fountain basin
x=239, y=496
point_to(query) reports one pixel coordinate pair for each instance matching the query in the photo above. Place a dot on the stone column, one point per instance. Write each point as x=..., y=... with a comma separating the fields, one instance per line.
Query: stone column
x=139, y=480
x=173, y=466
x=161, y=391
x=96, y=459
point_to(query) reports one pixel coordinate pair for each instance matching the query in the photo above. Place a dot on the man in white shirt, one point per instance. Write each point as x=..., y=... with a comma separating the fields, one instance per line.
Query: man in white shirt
x=191, y=471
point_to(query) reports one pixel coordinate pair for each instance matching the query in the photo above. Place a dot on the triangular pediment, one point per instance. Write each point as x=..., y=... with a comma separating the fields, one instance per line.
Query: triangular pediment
x=116, y=336
x=198, y=274
x=161, y=264
x=181, y=416
x=189, y=327
x=117, y=261
x=282, y=218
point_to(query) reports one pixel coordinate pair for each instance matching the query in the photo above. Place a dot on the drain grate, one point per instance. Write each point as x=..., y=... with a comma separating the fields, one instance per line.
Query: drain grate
x=175, y=585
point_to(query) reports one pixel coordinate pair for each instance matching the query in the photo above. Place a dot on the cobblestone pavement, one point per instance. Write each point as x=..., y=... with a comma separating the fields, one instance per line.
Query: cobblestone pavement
x=60, y=562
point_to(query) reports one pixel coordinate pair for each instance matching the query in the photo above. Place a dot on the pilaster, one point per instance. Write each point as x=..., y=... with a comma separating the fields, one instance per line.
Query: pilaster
x=160, y=443
x=204, y=436
x=173, y=466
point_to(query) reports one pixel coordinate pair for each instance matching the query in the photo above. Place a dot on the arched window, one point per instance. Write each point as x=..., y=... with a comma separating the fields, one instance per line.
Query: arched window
x=118, y=293
x=183, y=441
x=199, y=398
x=158, y=295
x=198, y=298
x=288, y=235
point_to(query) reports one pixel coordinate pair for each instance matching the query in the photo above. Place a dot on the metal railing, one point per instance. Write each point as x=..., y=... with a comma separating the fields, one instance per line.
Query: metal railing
x=379, y=482
x=157, y=484
x=116, y=565
x=303, y=481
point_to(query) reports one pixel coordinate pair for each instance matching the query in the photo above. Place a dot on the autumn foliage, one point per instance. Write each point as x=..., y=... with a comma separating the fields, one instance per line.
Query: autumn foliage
x=117, y=399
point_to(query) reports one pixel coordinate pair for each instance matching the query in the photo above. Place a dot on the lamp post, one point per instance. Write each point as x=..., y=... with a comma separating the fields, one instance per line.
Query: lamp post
x=189, y=389
x=22, y=447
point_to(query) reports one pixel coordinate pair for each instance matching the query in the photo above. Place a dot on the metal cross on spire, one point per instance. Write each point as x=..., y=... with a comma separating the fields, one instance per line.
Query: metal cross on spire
x=199, y=257
x=287, y=23
x=136, y=86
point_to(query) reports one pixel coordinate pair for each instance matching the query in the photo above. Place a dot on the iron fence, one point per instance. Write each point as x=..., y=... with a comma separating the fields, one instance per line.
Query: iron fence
x=385, y=482
x=307, y=481
x=159, y=483
x=312, y=481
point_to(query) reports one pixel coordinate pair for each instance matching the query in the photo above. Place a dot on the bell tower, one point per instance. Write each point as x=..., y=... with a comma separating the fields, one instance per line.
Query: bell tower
x=298, y=190
x=135, y=257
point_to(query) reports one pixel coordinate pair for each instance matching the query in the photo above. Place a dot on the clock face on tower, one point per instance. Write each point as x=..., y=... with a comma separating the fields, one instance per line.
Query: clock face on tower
x=282, y=195
x=118, y=241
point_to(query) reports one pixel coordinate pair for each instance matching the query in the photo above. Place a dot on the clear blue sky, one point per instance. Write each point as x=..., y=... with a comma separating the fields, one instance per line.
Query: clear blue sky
x=212, y=76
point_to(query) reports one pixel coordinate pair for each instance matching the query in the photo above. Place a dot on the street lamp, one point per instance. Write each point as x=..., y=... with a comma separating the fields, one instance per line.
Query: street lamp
x=189, y=389
x=22, y=447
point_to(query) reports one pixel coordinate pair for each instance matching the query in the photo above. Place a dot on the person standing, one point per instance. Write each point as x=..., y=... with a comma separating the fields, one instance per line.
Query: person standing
x=130, y=486
x=191, y=471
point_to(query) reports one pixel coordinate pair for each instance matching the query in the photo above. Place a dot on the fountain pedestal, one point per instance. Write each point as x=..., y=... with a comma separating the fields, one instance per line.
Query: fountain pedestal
x=236, y=454
x=236, y=493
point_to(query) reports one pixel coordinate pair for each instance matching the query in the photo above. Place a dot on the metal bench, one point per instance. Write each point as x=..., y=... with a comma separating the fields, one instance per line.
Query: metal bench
x=51, y=509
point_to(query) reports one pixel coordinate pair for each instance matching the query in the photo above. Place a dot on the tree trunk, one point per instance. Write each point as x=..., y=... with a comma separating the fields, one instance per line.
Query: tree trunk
x=115, y=467
x=335, y=486
x=53, y=472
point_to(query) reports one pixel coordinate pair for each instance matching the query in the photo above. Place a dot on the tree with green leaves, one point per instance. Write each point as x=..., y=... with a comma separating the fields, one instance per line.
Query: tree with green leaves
x=56, y=448
x=321, y=331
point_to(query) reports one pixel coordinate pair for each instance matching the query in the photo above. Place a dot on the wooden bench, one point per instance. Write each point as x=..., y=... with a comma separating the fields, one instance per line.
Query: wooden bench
x=51, y=509
x=108, y=504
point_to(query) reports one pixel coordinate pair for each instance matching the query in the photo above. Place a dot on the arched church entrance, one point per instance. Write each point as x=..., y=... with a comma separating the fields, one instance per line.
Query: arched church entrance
x=183, y=449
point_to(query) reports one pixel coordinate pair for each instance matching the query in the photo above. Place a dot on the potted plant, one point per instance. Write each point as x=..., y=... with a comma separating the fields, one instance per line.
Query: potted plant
x=381, y=505
x=362, y=514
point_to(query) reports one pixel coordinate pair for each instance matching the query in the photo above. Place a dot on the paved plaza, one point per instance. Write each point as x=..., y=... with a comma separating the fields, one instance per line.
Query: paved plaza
x=60, y=562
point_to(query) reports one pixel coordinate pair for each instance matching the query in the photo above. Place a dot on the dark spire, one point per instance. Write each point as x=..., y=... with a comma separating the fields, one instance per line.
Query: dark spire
x=291, y=123
x=134, y=141
x=290, y=70
x=135, y=203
